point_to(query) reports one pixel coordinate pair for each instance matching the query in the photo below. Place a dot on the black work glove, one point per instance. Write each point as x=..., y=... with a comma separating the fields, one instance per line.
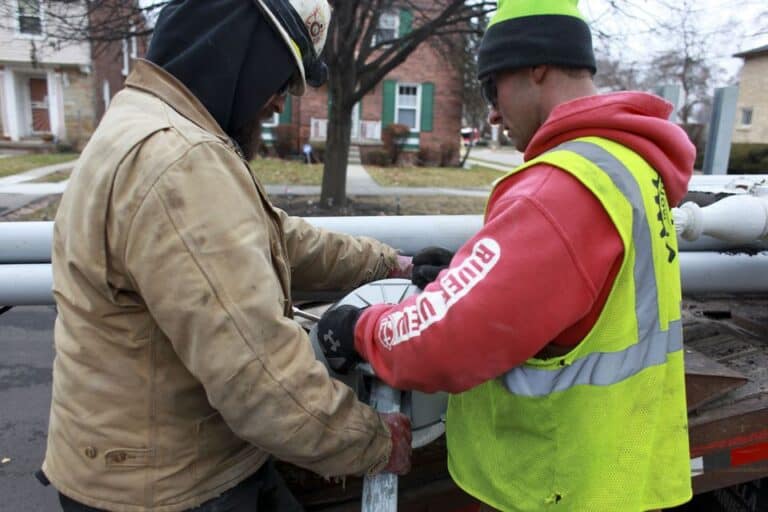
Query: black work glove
x=336, y=334
x=428, y=263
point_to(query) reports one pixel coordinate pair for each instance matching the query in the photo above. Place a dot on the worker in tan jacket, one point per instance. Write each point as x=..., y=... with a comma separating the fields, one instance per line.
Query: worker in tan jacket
x=179, y=371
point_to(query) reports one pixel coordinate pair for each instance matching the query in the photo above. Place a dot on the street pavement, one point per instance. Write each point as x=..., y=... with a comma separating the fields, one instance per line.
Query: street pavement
x=26, y=357
x=11, y=202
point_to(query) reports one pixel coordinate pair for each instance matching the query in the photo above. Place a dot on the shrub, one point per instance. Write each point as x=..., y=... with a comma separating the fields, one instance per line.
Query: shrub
x=318, y=152
x=748, y=159
x=394, y=138
x=428, y=156
x=377, y=157
x=286, y=140
x=449, y=154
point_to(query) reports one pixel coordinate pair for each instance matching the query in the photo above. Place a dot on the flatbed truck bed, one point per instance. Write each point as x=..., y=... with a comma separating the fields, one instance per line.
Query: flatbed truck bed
x=726, y=344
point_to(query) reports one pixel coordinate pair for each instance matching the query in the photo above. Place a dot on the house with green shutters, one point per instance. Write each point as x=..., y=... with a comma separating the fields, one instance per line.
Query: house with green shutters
x=424, y=93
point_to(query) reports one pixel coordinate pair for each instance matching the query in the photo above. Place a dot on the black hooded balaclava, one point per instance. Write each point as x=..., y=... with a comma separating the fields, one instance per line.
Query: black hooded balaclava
x=227, y=53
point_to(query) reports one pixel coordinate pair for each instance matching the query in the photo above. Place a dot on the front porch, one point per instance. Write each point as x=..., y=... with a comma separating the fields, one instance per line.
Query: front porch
x=31, y=105
x=363, y=132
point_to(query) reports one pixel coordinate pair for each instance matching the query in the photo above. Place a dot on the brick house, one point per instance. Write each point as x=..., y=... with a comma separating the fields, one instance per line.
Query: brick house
x=752, y=114
x=52, y=90
x=424, y=93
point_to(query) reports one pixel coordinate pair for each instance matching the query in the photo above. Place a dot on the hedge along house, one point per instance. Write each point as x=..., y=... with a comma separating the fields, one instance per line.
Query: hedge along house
x=424, y=93
x=752, y=107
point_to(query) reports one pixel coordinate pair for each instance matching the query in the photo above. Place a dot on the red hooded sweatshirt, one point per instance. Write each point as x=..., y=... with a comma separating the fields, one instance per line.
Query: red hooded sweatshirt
x=535, y=278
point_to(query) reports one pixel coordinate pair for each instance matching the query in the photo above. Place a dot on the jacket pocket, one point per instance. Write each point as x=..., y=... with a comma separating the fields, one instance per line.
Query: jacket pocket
x=127, y=457
x=216, y=443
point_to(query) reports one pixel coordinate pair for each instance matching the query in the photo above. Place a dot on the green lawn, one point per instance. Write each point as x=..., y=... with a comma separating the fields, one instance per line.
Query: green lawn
x=16, y=164
x=45, y=208
x=477, y=177
x=307, y=206
x=53, y=177
x=273, y=171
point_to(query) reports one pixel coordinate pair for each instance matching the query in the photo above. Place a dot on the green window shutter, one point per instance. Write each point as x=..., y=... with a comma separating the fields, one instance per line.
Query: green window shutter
x=285, y=116
x=406, y=22
x=388, y=114
x=427, y=106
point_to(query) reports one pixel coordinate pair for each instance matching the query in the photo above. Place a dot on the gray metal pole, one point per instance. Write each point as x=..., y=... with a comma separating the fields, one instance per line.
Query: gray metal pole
x=380, y=491
x=702, y=272
x=672, y=94
x=30, y=242
x=721, y=131
x=25, y=242
x=26, y=285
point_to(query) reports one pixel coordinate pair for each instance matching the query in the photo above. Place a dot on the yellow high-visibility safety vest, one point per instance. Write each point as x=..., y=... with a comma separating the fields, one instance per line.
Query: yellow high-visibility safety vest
x=603, y=428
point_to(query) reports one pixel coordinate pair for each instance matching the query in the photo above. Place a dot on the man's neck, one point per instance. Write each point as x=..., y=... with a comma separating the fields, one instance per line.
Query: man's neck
x=565, y=91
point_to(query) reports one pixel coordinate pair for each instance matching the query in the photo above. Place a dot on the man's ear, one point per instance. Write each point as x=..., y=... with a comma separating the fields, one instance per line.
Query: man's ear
x=539, y=73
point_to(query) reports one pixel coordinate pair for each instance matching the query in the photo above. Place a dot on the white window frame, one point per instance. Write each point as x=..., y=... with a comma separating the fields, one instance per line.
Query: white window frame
x=271, y=123
x=417, y=129
x=126, y=57
x=106, y=94
x=134, y=44
x=742, y=111
x=394, y=13
x=17, y=23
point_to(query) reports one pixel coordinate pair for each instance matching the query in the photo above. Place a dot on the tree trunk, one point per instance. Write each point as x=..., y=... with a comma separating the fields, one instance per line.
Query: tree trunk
x=334, y=189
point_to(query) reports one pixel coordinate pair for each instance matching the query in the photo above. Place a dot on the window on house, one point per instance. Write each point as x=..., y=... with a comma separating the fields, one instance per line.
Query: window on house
x=407, y=105
x=30, y=16
x=389, y=25
x=272, y=122
x=746, y=116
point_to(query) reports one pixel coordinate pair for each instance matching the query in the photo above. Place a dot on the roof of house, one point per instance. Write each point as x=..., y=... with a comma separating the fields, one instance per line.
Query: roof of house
x=753, y=52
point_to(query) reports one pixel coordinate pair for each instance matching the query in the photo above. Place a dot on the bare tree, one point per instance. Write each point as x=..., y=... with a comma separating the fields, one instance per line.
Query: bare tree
x=689, y=62
x=359, y=60
x=619, y=75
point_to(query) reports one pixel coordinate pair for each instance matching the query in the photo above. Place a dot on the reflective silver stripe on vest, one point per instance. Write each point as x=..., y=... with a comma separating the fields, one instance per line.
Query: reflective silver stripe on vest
x=653, y=346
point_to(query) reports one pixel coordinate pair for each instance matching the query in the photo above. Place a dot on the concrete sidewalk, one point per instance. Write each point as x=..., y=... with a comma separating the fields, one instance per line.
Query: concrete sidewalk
x=16, y=191
x=34, y=174
x=360, y=183
x=499, y=159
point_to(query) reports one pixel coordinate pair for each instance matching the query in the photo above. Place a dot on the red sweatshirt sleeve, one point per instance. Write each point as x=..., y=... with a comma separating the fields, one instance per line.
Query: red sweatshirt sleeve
x=536, y=268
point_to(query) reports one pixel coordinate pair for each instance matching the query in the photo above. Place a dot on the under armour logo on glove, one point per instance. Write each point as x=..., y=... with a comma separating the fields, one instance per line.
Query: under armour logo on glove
x=330, y=342
x=336, y=333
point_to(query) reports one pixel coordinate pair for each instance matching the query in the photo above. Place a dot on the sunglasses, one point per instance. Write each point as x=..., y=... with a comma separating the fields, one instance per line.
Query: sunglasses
x=489, y=91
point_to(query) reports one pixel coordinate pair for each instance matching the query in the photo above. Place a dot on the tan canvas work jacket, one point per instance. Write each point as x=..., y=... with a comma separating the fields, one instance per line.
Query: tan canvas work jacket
x=178, y=367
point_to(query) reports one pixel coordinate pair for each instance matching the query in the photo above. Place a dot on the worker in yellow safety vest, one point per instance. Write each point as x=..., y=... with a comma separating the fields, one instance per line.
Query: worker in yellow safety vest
x=556, y=328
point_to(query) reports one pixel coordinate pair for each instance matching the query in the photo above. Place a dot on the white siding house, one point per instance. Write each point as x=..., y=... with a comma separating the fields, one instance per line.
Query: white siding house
x=42, y=81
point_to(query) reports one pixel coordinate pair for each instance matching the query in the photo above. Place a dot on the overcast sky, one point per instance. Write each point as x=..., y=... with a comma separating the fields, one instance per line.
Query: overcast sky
x=729, y=26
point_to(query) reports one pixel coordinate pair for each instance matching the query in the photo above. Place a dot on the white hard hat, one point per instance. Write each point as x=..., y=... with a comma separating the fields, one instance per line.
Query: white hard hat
x=303, y=25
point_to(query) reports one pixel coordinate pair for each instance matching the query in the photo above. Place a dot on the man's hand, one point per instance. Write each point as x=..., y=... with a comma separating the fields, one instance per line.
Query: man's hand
x=336, y=334
x=400, y=430
x=403, y=268
x=428, y=263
